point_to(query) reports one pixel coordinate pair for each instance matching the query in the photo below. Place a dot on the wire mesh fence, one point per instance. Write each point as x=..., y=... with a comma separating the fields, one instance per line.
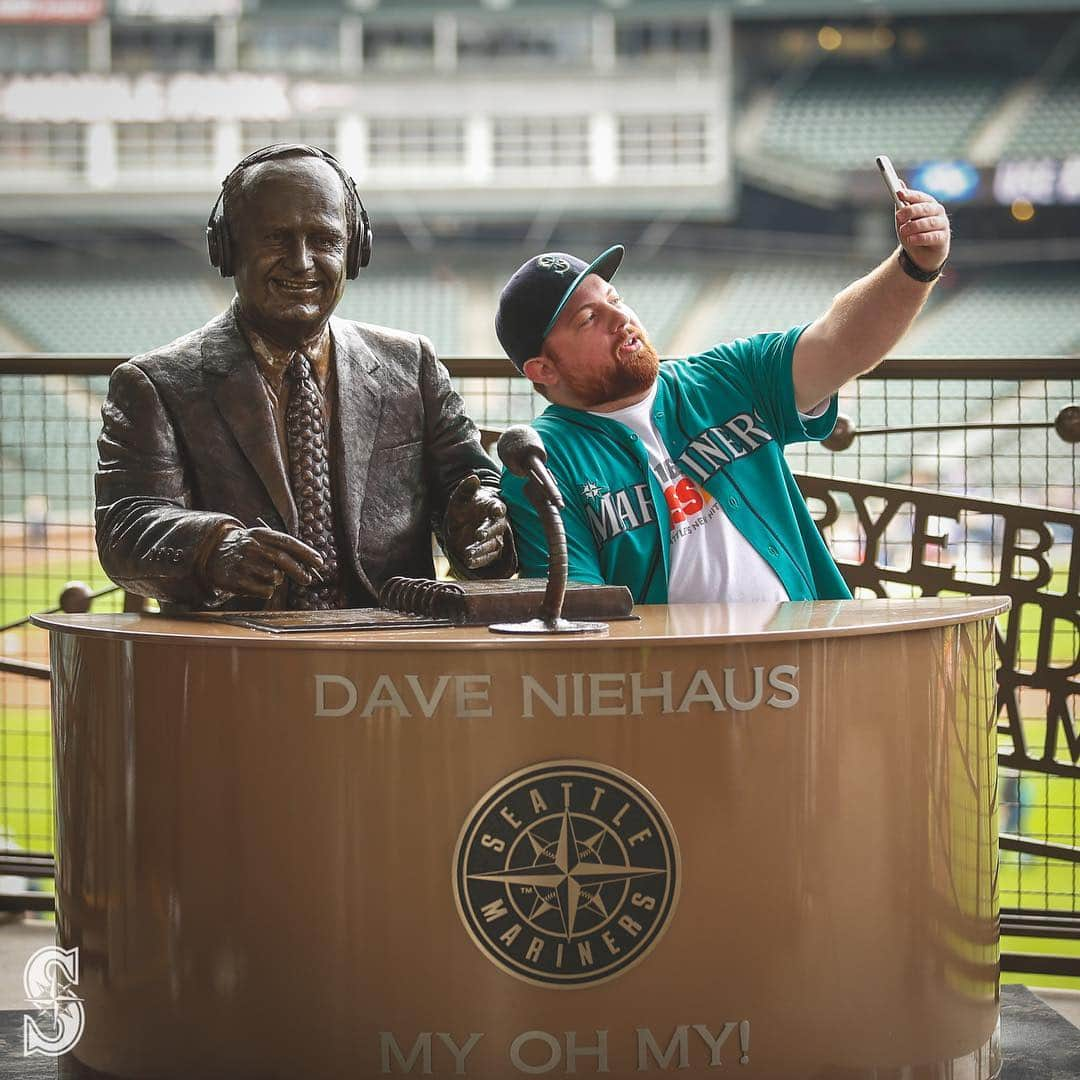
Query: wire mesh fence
x=967, y=547
x=980, y=432
x=48, y=425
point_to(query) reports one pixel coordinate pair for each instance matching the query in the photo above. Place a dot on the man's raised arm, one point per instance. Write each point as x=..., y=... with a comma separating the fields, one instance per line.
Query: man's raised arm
x=872, y=314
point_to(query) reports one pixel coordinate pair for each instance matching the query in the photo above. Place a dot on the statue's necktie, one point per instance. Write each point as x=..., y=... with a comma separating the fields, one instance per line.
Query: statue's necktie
x=309, y=475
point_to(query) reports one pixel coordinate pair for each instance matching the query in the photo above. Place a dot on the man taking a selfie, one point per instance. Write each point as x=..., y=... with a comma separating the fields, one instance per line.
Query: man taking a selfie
x=673, y=475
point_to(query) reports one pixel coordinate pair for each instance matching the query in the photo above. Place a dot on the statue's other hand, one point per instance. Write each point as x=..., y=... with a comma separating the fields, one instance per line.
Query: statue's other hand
x=475, y=525
x=254, y=562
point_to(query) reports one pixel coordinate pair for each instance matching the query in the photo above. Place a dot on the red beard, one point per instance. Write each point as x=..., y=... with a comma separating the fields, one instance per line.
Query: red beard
x=626, y=378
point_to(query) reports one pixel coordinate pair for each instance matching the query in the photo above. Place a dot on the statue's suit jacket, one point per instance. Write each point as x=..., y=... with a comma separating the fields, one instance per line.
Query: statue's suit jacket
x=188, y=444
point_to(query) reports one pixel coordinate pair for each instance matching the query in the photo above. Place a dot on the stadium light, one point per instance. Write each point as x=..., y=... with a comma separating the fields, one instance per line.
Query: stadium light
x=1022, y=210
x=829, y=38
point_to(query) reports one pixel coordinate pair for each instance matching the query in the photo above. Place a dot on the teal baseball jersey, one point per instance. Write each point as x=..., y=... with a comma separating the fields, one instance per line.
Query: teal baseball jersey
x=725, y=416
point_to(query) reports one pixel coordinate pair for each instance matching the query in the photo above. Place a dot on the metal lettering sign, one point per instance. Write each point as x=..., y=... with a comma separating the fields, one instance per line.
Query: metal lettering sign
x=1036, y=563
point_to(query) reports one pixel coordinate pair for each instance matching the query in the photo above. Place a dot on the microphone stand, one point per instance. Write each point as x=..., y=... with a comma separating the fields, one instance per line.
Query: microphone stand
x=550, y=620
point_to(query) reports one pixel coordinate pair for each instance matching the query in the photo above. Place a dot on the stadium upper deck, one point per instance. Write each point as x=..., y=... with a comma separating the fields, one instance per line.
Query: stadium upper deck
x=140, y=106
x=158, y=98
x=469, y=124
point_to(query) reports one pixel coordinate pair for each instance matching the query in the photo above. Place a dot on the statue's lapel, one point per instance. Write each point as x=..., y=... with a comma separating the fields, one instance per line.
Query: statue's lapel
x=240, y=395
x=359, y=406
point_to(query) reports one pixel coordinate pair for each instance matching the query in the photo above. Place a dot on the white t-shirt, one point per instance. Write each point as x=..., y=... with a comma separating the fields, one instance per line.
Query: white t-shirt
x=710, y=558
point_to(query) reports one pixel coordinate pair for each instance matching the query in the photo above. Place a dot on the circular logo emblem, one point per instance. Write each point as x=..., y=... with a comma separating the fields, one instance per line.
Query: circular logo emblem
x=566, y=873
x=555, y=263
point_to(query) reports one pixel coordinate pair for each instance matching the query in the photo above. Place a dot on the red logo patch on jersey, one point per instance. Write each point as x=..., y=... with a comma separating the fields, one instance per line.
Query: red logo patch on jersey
x=684, y=499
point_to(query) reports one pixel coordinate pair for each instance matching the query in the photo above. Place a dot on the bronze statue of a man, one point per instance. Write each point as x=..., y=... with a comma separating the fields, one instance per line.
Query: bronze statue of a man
x=279, y=456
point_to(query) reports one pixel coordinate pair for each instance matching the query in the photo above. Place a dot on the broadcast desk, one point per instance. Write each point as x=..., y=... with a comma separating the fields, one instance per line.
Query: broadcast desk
x=747, y=840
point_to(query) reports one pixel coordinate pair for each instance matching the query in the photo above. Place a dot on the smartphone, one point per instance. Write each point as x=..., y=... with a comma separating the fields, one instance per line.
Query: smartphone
x=892, y=181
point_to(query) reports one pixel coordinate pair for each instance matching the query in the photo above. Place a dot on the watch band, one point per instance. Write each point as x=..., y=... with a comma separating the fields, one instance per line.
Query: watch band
x=907, y=264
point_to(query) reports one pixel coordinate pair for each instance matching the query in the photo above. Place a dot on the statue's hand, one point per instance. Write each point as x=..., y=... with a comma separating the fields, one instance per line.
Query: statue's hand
x=475, y=525
x=254, y=562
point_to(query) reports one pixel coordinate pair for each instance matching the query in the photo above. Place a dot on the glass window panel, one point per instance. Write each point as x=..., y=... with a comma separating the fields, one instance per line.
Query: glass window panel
x=552, y=142
x=165, y=147
x=662, y=142
x=662, y=39
x=487, y=40
x=47, y=150
x=320, y=132
x=399, y=47
x=394, y=141
x=290, y=46
x=43, y=48
x=137, y=47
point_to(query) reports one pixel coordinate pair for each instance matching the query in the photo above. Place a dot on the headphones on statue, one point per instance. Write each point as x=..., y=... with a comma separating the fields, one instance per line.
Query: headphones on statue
x=219, y=243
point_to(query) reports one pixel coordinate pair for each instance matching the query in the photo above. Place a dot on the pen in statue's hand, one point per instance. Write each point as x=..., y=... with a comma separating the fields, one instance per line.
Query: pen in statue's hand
x=254, y=562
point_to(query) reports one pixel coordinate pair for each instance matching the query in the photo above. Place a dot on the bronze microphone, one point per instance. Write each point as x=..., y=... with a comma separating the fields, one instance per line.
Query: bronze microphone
x=522, y=452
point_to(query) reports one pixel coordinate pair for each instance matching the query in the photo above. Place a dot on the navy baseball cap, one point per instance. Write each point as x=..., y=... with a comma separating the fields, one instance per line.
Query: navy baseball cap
x=534, y=297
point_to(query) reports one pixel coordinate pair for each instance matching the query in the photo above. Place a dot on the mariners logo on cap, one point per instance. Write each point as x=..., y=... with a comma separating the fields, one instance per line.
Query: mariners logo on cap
x=567, y=873
x=555, y=263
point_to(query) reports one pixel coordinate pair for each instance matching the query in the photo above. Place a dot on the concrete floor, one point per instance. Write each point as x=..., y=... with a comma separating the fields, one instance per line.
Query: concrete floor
x=1066, y=1002
x=20, y=938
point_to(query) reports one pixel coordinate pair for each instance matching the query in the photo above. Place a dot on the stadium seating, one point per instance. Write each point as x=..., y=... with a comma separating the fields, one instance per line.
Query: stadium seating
x=838, y=117
x=136, y=306
x=48, y=428
x=1052, y=128
x=103, y=310
x=415, y=302
x=775, y=294
x=1029, y=312
x=995, y=313
x=662, y=301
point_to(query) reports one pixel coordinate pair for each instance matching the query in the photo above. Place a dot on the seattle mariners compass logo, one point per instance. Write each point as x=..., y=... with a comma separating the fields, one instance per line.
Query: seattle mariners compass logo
x=566, y=873
x=555, y=263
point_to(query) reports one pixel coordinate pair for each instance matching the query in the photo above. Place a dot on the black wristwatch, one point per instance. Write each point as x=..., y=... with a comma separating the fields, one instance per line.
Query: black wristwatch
x=909, y=267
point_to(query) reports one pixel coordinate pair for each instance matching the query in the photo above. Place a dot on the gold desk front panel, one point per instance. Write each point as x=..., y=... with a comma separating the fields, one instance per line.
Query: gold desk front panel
x=256, y=855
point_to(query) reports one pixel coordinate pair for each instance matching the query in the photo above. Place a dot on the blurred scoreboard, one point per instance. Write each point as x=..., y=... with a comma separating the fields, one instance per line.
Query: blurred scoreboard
x=1041, y=181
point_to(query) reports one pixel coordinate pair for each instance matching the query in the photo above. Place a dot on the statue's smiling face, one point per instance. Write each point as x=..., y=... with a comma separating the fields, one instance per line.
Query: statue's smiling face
x=290, y=238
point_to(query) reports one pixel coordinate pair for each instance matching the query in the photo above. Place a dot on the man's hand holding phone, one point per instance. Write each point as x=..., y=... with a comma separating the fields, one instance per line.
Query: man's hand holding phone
x=922, y=226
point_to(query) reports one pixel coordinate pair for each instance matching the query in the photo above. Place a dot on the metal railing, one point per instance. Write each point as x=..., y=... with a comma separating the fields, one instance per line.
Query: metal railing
x=954, y=476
